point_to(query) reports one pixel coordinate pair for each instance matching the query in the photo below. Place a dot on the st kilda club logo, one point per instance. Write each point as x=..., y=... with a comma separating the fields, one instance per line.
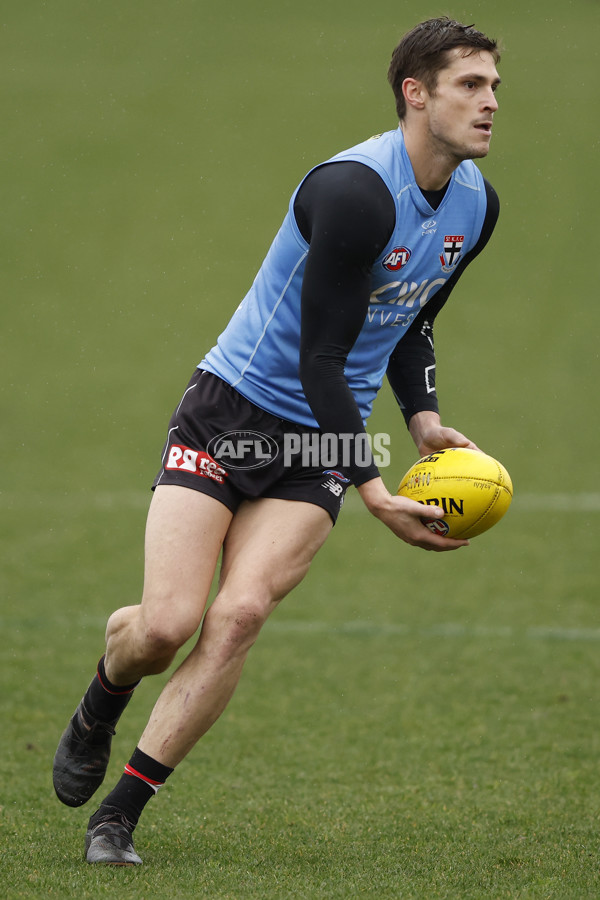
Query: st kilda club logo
x=453, y=244
x=396, y=259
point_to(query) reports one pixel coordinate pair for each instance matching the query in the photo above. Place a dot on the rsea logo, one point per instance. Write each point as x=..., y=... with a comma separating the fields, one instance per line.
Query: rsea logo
x=184, y=459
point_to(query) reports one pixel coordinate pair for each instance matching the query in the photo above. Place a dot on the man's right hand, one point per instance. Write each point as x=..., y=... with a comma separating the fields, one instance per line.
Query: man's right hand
x=405, y=517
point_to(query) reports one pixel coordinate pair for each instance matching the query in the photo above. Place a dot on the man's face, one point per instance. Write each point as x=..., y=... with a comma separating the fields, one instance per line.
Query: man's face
x=462, y=107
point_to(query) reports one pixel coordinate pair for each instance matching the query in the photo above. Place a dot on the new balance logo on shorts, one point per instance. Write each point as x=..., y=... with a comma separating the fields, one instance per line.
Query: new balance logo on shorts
x=334, y=486
x=184, y=459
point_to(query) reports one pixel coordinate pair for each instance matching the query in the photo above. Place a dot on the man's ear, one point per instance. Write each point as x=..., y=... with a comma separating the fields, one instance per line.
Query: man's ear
x=414, y=93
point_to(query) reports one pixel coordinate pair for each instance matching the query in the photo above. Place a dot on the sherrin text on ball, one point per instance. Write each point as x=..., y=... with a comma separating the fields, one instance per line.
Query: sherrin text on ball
x=472, y=488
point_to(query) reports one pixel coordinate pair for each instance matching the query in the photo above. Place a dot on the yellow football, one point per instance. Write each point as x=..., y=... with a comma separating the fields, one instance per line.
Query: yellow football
x=472, y=488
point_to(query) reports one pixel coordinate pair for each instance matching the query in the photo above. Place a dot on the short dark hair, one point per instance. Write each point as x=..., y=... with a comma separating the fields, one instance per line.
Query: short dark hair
x=423, y=52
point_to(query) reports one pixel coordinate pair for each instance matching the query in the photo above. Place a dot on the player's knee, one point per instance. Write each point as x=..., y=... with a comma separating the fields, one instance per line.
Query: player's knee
x=238, y=623
x=163, y=636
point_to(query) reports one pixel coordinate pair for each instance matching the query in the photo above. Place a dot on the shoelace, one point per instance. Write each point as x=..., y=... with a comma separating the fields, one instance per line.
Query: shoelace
x=88, y=726
x=114, y=818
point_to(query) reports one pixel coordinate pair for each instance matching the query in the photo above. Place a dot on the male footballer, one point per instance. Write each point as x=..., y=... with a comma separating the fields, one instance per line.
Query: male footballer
x=371, y=247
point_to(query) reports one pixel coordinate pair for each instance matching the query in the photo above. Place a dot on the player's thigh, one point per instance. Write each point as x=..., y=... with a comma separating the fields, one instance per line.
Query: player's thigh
x=184, y=535
x=270, y=546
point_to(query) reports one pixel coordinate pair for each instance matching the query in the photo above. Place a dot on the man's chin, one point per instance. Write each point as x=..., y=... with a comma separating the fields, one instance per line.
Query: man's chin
x=478, y=151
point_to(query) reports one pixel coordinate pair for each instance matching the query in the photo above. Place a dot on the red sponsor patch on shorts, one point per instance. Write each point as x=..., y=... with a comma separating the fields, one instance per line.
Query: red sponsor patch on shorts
x=184, y=459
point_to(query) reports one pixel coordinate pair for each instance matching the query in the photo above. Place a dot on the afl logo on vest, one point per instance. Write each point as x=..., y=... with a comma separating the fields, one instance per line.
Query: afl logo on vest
x=396, y=259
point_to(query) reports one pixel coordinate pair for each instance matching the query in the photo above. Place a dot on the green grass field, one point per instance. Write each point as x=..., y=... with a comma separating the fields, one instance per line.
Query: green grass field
x=409, y=725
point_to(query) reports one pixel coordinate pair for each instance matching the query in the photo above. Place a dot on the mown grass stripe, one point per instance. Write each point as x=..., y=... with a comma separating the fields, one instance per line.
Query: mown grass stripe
x=576, y=502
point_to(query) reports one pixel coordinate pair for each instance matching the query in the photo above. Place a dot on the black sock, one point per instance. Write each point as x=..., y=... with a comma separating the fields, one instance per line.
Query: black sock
x=106, y=701
x=141, y=780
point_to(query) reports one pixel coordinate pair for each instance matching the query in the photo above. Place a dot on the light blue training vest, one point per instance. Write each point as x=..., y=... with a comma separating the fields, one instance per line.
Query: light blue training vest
x=258, y=352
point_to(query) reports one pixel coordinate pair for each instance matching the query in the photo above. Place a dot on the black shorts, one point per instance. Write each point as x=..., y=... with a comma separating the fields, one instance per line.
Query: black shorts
x=223, y=445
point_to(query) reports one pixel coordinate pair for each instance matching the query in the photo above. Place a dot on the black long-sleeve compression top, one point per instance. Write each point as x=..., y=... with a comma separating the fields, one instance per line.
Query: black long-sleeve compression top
x=347, y=215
